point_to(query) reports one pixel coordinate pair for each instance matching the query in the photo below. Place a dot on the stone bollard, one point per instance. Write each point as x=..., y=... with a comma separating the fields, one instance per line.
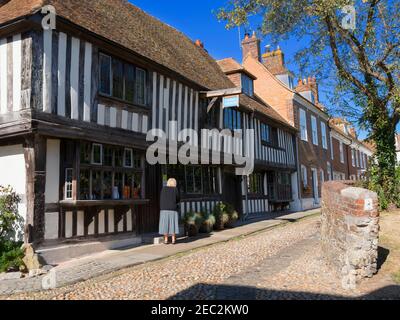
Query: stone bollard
x=350, y=231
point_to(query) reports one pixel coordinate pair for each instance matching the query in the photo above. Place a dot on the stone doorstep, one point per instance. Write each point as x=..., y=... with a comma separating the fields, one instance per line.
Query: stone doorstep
x=62, y=253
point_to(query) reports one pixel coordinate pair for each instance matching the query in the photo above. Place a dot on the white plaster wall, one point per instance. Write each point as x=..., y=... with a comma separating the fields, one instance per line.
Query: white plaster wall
x=295, y=205
x=52, y=171
x=12, y=172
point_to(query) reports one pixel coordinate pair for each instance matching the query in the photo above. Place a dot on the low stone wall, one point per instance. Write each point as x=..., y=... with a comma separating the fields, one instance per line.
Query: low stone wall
x=350, y=231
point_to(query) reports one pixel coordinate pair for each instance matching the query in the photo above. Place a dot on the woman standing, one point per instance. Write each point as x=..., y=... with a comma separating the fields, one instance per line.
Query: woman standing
x=169, y=221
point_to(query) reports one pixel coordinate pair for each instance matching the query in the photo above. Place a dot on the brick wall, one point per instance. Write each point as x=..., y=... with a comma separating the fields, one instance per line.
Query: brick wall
x=236, y=78
x=337, y=165
x=350, y=231
x=269, y=89
x=310, y=155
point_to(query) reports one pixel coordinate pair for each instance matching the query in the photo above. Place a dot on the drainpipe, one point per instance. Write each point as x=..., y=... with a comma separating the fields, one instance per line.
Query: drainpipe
x=246, y=215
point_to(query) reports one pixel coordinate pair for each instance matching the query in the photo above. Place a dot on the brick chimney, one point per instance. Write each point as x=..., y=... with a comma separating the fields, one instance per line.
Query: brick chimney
x=198, y=43
x=309, y=84
x=274, y=60
x=352, y=132
x=251, y=45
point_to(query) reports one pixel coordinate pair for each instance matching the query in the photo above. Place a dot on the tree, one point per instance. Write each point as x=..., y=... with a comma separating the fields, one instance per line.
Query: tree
x=11, y=222
x=366, y=77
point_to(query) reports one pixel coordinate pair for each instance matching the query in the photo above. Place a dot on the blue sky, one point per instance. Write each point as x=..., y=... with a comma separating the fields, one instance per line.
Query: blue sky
x=196, y=19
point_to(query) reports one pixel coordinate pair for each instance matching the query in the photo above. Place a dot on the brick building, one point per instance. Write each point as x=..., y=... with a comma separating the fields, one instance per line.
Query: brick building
x=300, y=107
x=398, y=147
x=350, y=156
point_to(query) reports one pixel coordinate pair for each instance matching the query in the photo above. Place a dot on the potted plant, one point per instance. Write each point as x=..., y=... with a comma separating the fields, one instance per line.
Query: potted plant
x=208, y=222
x=193, y=222
x=233, y=218
x=221, y=216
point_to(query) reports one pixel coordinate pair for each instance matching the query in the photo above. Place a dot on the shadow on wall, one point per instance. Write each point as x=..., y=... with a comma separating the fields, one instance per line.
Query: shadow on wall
x=227, y=292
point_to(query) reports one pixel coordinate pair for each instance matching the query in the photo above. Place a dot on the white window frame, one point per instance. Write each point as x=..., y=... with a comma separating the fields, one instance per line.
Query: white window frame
x=304, y=176
x=101, y=154
x=353, y=158
x=322, y=176
x=303, y=124
x=329, y=168
x=68, y=185
x=341, y=148
x=131, y=152
x=324, y=136
x=314, y=130
x=332, y=154
x=363, y=166
x=357, y=159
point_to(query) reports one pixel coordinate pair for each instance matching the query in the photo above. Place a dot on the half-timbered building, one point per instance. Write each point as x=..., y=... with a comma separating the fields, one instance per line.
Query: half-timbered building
x=76, y=104
x=77, y=100
x=270, y=186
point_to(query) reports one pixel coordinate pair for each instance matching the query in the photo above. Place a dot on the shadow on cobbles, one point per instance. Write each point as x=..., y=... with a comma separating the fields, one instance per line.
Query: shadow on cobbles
x=383, y=254
x=228, y=292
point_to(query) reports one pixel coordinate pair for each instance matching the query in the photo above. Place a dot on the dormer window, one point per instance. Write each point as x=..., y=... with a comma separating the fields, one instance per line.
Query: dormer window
x=312, y=97
x=291, y=82
x=247, y=85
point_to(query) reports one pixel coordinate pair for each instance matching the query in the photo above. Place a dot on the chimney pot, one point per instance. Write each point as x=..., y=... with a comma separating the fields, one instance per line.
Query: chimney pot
x=251, y=46
x=199, y=43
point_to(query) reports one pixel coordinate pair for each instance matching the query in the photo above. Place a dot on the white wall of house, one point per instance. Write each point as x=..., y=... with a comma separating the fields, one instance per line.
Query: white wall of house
x=52, y=171
x=12, y=172
x=52, y=187
x=295, y=205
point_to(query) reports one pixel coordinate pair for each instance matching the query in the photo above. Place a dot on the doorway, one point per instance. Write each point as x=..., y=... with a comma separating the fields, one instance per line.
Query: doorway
x=232, y=191
x=315, y=185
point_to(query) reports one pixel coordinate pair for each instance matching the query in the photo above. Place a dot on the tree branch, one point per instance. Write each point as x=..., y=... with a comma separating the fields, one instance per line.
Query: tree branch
x=340, y=66
x=371, y=13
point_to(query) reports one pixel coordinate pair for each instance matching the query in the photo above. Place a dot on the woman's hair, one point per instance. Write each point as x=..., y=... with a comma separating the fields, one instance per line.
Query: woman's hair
x=171, y=183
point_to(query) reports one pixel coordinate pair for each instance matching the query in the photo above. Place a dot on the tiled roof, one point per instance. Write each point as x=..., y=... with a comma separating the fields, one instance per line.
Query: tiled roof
x=230, y=65
x=129, y=26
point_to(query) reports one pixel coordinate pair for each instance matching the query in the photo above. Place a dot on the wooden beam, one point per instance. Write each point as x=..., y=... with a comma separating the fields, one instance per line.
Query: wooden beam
x=211, y=104
x=222, y=92
x=35, y=163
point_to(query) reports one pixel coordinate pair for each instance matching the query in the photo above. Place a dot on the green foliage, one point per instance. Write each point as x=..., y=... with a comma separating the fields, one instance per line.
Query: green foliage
x=233, y=216
x=193, y=218
x=193, y=222
x=374, y=183
x=221, y=215
x=11, y=255
x=11, y=221
x=208, y=222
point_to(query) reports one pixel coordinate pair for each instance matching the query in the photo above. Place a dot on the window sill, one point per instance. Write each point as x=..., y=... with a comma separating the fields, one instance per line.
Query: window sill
x=122, y=103
x=95, y=203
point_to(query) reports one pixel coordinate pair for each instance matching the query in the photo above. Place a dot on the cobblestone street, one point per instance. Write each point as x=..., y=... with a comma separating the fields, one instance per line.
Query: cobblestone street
x=281, y=263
